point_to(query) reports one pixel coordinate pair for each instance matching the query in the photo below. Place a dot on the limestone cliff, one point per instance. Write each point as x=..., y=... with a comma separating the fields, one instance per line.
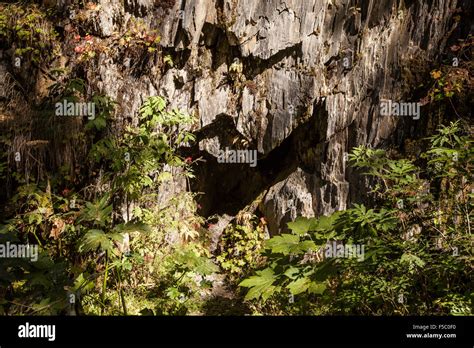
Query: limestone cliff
x=313, y=74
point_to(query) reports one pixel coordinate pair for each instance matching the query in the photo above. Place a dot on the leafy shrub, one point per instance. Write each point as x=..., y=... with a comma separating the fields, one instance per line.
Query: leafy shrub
x=88, y=250
x=240, y=247
x=417, y=258
x=27, y=29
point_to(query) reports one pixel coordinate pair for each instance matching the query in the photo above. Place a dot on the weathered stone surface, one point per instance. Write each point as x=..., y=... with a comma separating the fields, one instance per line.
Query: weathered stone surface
x=294, y=53
x=323, y=64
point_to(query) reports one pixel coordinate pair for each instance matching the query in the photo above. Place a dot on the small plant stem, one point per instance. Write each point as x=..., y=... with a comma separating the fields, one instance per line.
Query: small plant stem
x=122, y=297
x=104, y=286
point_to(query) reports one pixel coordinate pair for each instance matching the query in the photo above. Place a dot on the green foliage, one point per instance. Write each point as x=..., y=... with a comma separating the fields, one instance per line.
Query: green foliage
x=27, y=29
x=190, y=260
x=450, y=155
x=452, y=79
x=286, y=273
x=397, y=175
x=417, y=258
x=98, y=213
x=134, y=165
x=137, y=35
x=239, y=248
x=75, y=90
x=168, y=60
x=172, y=260
x=287, y=244
x=137, y=160
x=446, y=83
x=38, y=286
x=261, y=285
x=104, y=110
x=90, y=251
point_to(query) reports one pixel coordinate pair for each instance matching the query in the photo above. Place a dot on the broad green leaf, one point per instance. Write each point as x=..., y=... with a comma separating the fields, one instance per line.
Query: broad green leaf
x=261, y=285
x=307, y=245
x=298, y=286
x=324, y=270
x=324, y=223
x=285, y=244
x=93, y=240
x=291, y=272
x=412, y=260
x=301, y=225
x=316, y=288
x=39, y=279
x=83, y=284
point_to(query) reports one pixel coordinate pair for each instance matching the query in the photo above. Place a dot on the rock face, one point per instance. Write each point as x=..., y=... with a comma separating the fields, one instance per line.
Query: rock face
x=312, y=75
